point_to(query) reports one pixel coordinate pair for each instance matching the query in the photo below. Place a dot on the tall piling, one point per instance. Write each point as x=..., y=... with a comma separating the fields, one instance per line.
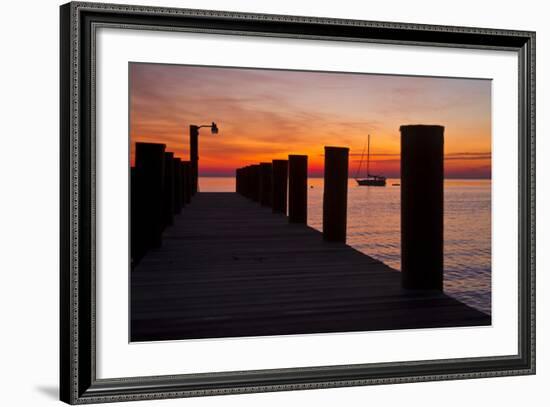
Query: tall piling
x=422, y=206
x=238, y=181
x=244, y=177
x=297, y=188
x=168, y=194
x=279, y=186
x=178, y=201
x=194, y=157
x=149, y=184
x=182, y=183
x=266, y=179
x=335, y=194
x=255, y=182
x=187, y=182
x=249, y=183
x=136, y=249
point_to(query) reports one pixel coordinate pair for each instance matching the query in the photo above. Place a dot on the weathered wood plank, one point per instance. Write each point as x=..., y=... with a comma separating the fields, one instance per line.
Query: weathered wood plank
x=229, y=267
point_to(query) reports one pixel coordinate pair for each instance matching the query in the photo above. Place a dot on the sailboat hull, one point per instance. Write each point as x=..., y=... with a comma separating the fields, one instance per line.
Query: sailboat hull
x=371, y=182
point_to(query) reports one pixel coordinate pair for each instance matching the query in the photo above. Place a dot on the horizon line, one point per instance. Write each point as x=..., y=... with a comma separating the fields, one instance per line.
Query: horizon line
x=321, y=176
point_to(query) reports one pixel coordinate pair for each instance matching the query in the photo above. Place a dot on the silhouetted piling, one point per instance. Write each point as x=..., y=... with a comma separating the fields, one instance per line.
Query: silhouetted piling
x=149, y=185
x=249, y=182
x=244, y=174
x=168, y=195
x=266, y=177
x=238, y=180
x=422, y=206
x=136, y=249
x=244, y=181
x=186, y=179
x=279, y=186
x=297, y=188
x=183, y=183
x=178, y=201
x=194, y=157
x=255, y=182
x=335, y=194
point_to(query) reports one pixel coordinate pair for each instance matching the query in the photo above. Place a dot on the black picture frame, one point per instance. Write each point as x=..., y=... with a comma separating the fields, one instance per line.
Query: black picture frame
x=78, y=382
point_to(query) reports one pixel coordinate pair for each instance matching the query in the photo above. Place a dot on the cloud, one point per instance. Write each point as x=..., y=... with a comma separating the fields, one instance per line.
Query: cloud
x=270, y=113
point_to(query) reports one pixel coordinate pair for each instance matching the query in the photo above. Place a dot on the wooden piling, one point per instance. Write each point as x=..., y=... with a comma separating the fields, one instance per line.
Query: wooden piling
x=255, y=182
x=266, y=179
x=178, y=201
x=187, y=181
x=335, y=194
x=168, y=194
x=248, y=181
x=183, y=174
x=422, y=206
x=136, y=249
x=194, y=157
x=149, y=184
x=297, y=188
x=279, y=186
x=244, y=177
x=238, y=180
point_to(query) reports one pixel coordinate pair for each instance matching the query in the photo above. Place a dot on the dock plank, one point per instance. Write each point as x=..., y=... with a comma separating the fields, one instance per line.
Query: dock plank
x=229, y=267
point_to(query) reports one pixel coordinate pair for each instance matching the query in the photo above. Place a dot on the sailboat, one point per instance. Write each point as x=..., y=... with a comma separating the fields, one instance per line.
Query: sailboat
x=370, y=180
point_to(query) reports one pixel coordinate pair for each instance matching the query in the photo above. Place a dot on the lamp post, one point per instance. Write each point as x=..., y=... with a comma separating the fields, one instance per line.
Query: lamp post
x=194, y=152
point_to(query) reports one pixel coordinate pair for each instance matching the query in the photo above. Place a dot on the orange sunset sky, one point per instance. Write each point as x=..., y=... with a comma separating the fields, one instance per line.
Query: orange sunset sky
x=268, y=114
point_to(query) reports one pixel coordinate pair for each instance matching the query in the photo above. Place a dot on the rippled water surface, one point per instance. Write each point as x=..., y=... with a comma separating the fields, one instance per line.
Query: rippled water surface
x=374, y=229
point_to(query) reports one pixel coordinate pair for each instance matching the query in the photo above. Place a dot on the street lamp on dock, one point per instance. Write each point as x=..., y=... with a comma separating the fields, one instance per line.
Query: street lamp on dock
x=194, y=152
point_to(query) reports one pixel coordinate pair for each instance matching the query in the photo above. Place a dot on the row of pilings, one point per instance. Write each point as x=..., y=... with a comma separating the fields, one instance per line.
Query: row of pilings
x=421, y=198
x=160, y=187
x=268, y=183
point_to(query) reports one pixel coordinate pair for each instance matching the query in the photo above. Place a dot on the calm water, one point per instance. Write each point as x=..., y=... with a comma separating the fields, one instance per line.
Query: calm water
x=374, y=229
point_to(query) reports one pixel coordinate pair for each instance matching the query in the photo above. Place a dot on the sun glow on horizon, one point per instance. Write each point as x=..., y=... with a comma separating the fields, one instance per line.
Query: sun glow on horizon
x=269, y=114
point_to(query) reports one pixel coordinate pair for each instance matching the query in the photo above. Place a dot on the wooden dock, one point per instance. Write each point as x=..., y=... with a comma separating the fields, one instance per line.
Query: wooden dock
x=229, y=267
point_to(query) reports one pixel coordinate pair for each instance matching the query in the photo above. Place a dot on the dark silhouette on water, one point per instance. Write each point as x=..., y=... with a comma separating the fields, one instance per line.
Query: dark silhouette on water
x=266, y=181
x=169, y=190
x=194, y=152
x=280, y=177
x=422, y=206
x=335, y=194
x=297, y=188
x=370, y=180
x=146, y=209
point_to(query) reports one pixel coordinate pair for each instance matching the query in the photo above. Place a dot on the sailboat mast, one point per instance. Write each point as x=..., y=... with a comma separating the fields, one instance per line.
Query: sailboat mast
x=358, y=172
x=368, y=157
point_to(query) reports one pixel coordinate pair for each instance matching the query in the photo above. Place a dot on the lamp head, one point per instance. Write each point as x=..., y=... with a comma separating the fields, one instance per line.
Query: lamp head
x=214, y=128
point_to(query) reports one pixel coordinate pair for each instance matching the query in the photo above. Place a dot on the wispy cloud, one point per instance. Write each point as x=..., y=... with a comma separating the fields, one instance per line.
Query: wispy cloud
x=265, y=113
